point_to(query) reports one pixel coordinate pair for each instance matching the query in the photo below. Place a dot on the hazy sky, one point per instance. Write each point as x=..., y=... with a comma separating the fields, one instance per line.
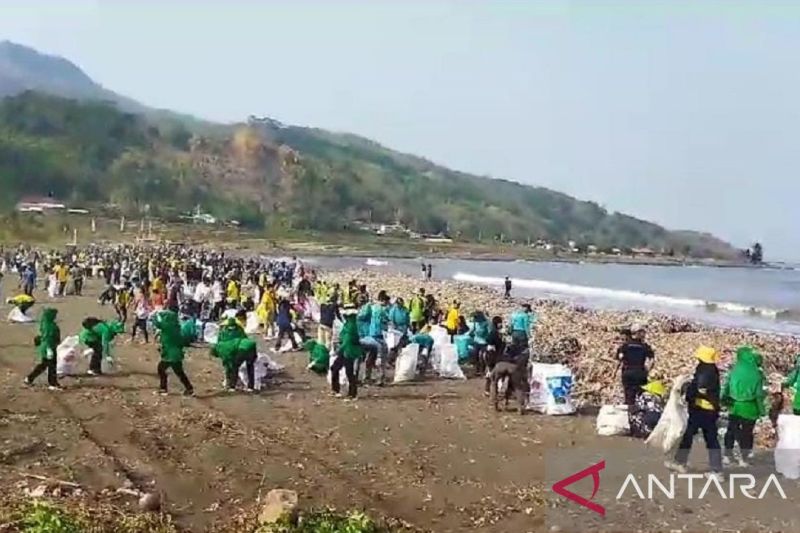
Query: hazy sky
x=685, y=113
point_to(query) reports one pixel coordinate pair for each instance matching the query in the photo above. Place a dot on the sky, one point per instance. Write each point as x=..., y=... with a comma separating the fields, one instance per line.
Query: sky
x=686, y=113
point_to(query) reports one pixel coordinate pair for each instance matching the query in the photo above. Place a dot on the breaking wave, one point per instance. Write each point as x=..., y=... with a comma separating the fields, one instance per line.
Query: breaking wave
x=559, y=288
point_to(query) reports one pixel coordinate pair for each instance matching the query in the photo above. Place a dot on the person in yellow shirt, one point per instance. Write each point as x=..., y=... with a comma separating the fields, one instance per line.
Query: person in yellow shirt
x=232, y=293
x=62, y=273
x=451, y=322
x=266, y=310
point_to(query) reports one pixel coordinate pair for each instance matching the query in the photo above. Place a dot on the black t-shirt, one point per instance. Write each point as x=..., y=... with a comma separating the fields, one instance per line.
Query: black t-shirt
x=633, y=354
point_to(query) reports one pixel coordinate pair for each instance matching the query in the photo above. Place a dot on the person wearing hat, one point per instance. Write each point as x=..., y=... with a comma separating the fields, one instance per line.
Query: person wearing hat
x=703, y=399
x=743, y=393
x=634, y=356
x=644, y=414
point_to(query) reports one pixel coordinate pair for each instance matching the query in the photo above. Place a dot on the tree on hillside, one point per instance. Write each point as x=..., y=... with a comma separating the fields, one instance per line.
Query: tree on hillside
x=757, y=254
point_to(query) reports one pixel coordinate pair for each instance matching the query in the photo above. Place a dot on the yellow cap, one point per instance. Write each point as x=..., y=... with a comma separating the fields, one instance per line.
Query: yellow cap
x=707, y=354
x=655, y=387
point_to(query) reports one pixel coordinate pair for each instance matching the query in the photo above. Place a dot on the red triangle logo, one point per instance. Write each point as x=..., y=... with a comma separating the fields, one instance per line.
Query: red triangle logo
x=594, y=470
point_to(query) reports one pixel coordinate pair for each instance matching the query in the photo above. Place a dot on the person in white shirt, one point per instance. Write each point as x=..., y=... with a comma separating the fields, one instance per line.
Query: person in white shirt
x=202, y=296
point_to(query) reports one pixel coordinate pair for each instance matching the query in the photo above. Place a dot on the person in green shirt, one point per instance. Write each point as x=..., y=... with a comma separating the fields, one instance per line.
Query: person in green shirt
x=98, y=336
x=348, y=353
x=743, y=393
x=319, y=357
x=233, y=348
x=46, y=342
x=792, y=381
x=416, y=311
x=172, y=342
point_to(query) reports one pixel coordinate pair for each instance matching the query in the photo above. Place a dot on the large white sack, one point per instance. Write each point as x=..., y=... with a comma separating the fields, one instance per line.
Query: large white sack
x=261, y=372
x=67, y=356
x=392, y=338
x=229, y=313
x=52, y=286
x=252, y=323
x=787, y=451
x=18, y=317
x=210, y=332
x=448, y=364
x=440, y=336
x=337, y=330
x=670, y=427
x=613, y=420
x=405, y=367
x=550, y=389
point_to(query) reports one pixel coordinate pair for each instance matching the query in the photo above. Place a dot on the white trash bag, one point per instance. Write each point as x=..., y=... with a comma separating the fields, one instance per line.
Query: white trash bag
x=448, y=364
x=210, y=332
x=392, y=338
x=261, y=372
x=440, y=336
x=670, y=427
x=67, y=356
x=787, y=451
x=52, y=286
x=613, y=420
x=18, y=317
x=252, y=324
x=550, y=389
x=405, y=367
x=312, y=309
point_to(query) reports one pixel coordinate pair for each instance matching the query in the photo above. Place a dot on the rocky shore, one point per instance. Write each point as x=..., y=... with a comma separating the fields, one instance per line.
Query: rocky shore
x=585, y=339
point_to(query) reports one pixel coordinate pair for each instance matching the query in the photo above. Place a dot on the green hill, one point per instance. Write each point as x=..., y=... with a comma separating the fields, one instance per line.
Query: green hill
x=103, y=148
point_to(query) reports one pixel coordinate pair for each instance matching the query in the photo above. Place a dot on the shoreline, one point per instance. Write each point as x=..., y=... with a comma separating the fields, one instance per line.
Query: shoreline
x=674, y=339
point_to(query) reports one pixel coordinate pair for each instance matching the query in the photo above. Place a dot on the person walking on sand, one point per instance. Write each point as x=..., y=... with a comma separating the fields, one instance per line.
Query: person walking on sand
x=634, y=356
x=743, y=393
x=507, y=294
x=703, y=399
x=349, y=352
x=424, y=272
x=141, y=312
x=171, y=349
x=430, y=272
x=520, y=324
x=46, y=342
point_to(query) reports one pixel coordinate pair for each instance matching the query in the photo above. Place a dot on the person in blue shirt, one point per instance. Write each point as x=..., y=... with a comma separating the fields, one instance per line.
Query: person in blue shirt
x=425, y=342
x=479, y=333
x=374, y=340
x=399, y=320
x=520, y=324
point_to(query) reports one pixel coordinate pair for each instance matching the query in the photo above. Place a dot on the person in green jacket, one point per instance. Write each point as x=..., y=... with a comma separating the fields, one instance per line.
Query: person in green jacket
x=348, y=353
x=319, y=357
x=46, y=342
x=172, y=342
x=234, y=347
x=416, y=310
x=743, y=393
x=792, y=381
x=98, y=336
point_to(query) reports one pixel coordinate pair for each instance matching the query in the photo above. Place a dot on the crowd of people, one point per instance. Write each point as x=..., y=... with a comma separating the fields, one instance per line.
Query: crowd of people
x=169, y=290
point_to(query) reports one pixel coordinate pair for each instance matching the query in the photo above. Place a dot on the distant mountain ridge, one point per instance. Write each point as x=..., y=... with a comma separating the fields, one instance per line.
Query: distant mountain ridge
x=268, y=172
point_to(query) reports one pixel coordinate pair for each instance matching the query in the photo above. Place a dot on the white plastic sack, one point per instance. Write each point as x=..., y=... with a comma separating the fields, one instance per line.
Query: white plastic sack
x=229, y=313
x=210, y=332
x=669, y=430
x=448, y=364
x=550, y=389
x=252, y=324
x=392, y=338
x=440, y=336
x=312, y=309
x=18, y=317
x=337, y=330
x=613, y=420
x=67, y=356
x=52, y=286
x=405, y=367
x=787, y=451
x=261, y=372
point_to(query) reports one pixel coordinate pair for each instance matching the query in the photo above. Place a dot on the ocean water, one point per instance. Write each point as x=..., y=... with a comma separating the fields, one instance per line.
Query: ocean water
x=766, y=299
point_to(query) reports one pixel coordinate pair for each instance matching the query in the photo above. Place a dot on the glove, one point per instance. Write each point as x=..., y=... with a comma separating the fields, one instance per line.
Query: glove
x=50, y=353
